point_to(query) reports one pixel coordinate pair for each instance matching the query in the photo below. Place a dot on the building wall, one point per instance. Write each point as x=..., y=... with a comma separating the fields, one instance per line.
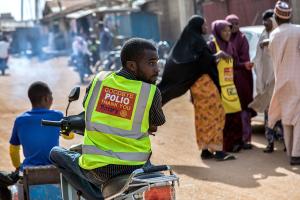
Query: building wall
x=173, y=16
x=249, y=13
x=296, y=11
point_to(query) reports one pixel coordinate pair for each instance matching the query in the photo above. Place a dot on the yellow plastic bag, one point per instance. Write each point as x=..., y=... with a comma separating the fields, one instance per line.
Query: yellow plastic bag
x=230, y=98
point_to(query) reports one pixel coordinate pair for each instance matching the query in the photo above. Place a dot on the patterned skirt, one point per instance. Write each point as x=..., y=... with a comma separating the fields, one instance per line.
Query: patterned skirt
x=209, y=114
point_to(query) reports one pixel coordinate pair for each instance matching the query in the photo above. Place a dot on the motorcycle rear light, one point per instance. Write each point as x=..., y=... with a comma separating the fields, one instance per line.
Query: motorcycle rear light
x=160, y=193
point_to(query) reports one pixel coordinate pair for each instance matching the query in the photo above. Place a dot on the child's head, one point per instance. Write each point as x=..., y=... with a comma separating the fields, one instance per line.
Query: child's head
x=40, y=95
x=140, y=57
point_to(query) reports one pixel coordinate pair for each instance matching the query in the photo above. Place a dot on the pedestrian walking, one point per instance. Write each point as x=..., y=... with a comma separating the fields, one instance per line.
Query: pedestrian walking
x=232, y=133
x=285, y=103
x=191, y=65
x=265, y=79
x=242, y=77
x=4, y=47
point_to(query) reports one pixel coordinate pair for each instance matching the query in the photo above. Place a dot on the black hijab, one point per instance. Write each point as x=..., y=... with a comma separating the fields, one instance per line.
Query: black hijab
x=191, y=42
x=189, y=59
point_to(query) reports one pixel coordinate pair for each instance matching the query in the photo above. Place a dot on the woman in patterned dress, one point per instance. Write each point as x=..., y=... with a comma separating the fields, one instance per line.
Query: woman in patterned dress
x=191, y=65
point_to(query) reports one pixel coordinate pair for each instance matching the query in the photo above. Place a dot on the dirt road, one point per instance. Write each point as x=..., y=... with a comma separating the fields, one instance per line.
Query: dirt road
x=254, y=175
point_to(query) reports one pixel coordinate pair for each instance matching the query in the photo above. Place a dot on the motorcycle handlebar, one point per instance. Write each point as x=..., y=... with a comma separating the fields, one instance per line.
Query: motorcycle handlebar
x=51, y=123
x=157, y=168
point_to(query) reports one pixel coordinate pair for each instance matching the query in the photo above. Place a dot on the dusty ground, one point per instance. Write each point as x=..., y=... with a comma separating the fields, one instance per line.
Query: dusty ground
x=254, y=175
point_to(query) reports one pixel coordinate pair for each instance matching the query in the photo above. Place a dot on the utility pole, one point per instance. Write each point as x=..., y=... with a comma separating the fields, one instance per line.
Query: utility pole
x=22, y=10
x=37, y=9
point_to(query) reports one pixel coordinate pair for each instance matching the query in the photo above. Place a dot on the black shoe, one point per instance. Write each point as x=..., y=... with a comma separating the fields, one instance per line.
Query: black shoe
x=295, y=161
x=269, y=148
x=205, y=154
x=222, y=156
x=236, y=148
x=247, y=146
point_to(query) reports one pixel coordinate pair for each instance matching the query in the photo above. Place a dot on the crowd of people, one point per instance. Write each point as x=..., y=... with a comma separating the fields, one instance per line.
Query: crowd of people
x=218, y=74
x=87, y=52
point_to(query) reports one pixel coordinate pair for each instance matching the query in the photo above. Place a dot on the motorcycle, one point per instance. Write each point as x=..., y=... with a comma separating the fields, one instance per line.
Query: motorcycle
x=112, y=62
x=81, y=62
x=147, y=183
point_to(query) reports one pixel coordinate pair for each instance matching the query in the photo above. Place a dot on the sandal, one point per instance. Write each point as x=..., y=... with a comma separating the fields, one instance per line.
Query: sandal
x=236, y=148
x=269, y=148
x=205, y=154
x=247, y=146
x=222, y=156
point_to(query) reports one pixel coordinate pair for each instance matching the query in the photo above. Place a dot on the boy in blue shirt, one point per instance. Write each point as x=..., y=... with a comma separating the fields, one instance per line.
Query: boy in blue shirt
x=36, y=140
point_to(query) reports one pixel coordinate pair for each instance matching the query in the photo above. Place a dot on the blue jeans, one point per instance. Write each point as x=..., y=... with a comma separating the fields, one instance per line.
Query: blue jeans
x=67, y=162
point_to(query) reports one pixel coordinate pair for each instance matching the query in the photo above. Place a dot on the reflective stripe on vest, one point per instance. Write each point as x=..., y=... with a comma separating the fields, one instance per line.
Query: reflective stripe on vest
x=133, y=156
x=135, y=133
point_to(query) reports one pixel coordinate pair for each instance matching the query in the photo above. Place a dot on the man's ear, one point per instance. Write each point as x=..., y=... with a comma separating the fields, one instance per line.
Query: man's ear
x=131, y=65
x=45, y=99
x=48, y=99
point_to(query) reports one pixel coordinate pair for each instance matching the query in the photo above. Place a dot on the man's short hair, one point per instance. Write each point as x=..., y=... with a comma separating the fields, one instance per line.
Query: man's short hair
x=267, y=14
x=133, y=49
x=37, y=91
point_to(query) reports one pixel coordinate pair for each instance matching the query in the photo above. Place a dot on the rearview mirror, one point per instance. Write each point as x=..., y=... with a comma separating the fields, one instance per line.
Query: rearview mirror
x=74, y=94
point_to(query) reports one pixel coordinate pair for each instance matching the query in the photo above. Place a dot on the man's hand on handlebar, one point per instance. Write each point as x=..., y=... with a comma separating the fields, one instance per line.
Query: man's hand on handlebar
x=152, y=129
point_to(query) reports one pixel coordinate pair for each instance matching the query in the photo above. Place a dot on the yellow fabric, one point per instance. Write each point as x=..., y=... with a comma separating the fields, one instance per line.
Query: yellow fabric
x=230, y=98
x=209, y=114
x=14, y=152
x=68, y=137
x=111, y=142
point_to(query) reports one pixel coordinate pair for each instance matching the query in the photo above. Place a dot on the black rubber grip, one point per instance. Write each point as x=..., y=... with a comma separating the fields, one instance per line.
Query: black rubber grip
x=51, y=123
x=157, y=168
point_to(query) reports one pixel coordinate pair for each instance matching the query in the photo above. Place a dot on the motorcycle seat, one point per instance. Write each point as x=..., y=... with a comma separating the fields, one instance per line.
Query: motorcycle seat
x=115, y=184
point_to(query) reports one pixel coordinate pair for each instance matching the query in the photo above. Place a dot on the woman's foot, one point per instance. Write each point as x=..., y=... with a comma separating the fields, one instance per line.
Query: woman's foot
x=247, y=146
x=269, y=148
x=222, y=156
x=236, y=148
x=295, y=161
x=205, y=154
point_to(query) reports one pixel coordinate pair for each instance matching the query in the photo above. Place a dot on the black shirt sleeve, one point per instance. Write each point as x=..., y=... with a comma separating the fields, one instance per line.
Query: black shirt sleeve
x=156, y=115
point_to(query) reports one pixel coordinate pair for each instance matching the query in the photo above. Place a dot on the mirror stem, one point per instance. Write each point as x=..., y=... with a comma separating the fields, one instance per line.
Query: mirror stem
x=67, y=108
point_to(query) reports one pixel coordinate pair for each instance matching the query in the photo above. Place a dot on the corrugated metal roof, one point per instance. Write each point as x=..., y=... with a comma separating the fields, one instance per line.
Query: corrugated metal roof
x=76, y=8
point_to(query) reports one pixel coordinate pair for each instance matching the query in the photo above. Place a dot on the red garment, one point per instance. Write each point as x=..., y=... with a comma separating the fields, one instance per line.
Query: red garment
x=232, y=133
x=243, y=78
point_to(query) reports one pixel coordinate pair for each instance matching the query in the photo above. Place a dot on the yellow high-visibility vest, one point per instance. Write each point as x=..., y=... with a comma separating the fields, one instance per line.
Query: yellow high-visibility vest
x=230, y=98
x=117, y=122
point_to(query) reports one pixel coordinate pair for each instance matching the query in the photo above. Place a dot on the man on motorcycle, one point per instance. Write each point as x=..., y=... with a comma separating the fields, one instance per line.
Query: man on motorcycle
x=121, y=110
x=36, y=140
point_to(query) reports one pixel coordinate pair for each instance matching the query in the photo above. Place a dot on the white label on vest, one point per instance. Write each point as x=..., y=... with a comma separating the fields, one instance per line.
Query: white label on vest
x=116, y=102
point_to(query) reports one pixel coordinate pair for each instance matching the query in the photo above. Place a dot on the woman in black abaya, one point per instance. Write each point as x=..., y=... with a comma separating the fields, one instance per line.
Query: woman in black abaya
x=191, y=65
